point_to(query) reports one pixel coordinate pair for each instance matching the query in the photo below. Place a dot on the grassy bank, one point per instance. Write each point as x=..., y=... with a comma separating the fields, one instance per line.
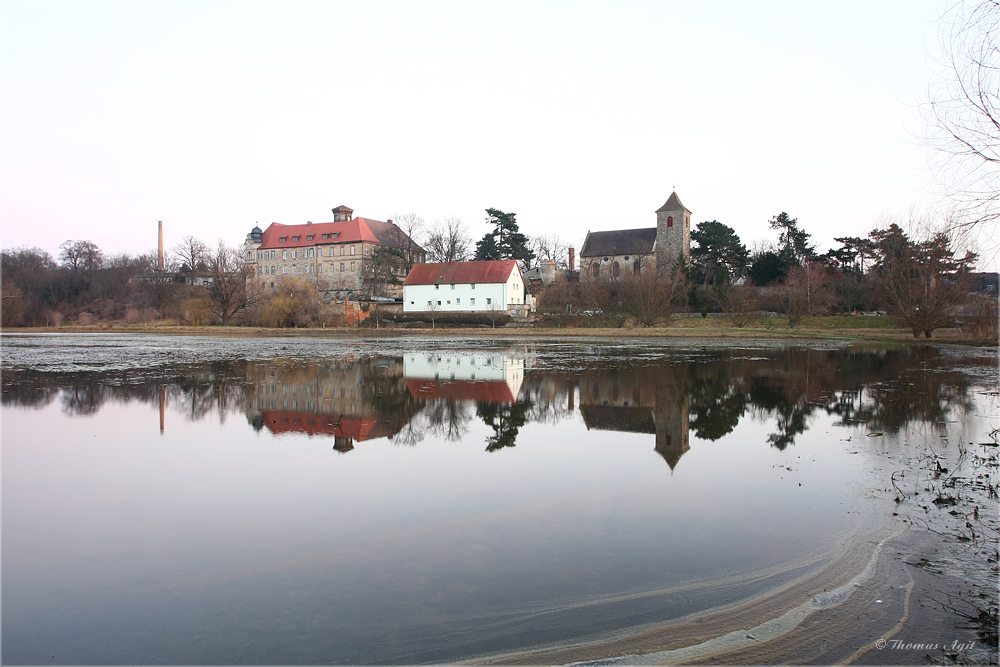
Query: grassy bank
x=835, y=328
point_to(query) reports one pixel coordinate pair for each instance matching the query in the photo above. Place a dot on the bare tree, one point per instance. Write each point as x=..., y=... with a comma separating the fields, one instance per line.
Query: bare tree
x=233, y=288
x=650, y=296
x=81, y=255
x=448, y=241
x=410, y=227
x=192, y=253
x=433, y=310
x=740, y=301
x=922, y=280
x=963, y=109
x=550, y=247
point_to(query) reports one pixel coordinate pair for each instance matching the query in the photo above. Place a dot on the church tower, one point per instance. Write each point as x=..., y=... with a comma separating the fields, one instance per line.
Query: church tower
x=673, y=233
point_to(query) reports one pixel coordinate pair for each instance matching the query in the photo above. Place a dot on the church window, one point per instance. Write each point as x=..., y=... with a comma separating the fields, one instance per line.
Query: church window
x=595, y=270
x=670, y=221
x=614, y=269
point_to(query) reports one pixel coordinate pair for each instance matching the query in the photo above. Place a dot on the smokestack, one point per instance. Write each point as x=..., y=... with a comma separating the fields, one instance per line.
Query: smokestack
x=159, y=261
x=572, y=259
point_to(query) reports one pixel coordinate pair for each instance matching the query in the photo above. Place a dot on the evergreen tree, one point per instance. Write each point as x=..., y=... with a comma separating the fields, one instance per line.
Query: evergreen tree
x=719, y=256
x=505, y=241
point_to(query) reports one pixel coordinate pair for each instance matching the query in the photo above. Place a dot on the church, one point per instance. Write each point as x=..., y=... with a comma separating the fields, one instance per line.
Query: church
x=636, y=251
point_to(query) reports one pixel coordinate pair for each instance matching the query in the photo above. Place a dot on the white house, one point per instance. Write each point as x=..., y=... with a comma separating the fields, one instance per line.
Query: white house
x=463, y=287
x=495, y=378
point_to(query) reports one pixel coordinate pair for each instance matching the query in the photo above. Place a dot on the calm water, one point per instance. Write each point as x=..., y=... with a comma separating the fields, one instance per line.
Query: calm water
x=188, y=500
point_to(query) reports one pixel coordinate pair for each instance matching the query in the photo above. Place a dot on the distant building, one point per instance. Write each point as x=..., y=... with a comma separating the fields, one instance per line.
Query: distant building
x=633, y=251
x=463, y=287
x=338, y=257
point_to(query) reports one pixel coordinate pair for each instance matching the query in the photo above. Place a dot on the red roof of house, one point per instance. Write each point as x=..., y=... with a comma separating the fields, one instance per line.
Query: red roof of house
x=353, y=231
x=341, y=426
x=462, y=272
x=461, y=390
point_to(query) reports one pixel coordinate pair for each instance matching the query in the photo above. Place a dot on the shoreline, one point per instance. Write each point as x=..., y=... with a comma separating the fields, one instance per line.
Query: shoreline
x=880, y=335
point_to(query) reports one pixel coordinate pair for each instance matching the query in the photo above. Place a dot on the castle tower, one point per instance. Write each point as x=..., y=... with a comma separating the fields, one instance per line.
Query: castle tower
x=673, y=233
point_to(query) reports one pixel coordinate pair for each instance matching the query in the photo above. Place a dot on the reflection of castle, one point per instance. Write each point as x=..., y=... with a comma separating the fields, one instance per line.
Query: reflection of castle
x=639, y=401
x=491, y=378
x=347, y=399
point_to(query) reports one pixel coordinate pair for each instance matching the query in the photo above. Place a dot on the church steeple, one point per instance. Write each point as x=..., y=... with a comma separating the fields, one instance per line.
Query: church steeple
x=673, y=232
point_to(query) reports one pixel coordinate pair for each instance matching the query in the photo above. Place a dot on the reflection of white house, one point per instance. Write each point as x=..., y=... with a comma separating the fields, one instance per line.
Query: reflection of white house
x=463, y=287
x=492, y=377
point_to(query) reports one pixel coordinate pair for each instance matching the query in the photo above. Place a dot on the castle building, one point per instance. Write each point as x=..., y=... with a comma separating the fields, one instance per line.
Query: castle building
x=341, y=258
x=634, y=251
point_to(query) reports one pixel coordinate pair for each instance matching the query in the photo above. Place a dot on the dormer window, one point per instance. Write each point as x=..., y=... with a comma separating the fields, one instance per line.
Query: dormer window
x=310, y=237
x=295, y=239
x=282, y=239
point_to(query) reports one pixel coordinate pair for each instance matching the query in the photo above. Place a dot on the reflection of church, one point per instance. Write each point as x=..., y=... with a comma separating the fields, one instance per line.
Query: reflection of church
x=350, y=400
x=640, y=400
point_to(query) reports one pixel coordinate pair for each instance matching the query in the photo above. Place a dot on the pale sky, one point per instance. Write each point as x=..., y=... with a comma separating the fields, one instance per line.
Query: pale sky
x=214, y=116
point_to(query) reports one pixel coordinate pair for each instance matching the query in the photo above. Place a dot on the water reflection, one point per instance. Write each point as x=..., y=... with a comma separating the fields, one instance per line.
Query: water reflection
x=404, y=398
x=346, y=510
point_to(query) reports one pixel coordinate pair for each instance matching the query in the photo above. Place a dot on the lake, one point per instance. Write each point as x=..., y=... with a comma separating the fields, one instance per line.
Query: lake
x=314, y=500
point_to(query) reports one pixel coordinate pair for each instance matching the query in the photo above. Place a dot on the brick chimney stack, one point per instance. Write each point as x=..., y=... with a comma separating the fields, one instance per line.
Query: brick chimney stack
x=572, y=258
x=159, y=249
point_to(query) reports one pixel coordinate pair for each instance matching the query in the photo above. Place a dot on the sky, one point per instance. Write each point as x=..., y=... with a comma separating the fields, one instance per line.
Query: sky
x=576, y=116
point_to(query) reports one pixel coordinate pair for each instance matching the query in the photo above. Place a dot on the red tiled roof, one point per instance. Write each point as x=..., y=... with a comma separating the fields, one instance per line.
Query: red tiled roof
x=342, y=426
x=353, y=231
x=461, y=390
x=462, y=272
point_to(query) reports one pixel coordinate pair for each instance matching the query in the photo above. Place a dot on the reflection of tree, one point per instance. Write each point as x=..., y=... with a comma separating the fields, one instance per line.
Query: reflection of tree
x=506, y=419
x=448, y=419
x=716, y=404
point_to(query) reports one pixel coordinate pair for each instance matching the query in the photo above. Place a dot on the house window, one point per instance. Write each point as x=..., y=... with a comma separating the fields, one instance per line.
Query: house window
x=458, y=302
x=352, y=266
x=295, y=254
x=439, y=303
x=453, y=285
x=437, y=287
x=312, y=252
x=341, y=267
x=352, y=248
x=295, y=269
x=260, y=270
x=319, y=268
x=368, y=250
x=473, y=285
x=284, y=254
x=449, y=302
x=670, y=221
x=472, y=301
x=411, y=303
x=274, y=270
x=489, y=301
x=429, y=303
x=259, y=255
x=284, y=270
